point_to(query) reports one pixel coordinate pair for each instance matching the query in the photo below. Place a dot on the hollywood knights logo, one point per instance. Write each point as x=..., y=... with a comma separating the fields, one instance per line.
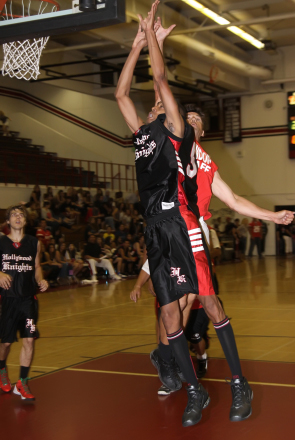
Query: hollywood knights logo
x=175, y=272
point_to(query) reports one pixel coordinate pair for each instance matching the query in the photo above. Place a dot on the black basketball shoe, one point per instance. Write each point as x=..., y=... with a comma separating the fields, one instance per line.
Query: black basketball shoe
x=198, y=399
x=166, y=371
x=242, y=396
x=202, y=368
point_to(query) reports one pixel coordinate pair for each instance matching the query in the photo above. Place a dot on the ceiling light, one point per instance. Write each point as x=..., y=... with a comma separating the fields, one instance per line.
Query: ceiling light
x=223, y=21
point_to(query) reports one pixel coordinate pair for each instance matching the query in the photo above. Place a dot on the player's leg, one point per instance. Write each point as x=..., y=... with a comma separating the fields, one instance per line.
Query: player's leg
x=198, y=398
x=170, y=374
x=28, y=331
x=8, y=330
x=162, y=358
x=241, y=391
x=26, y=355
x=5, y=384
x=196, y=333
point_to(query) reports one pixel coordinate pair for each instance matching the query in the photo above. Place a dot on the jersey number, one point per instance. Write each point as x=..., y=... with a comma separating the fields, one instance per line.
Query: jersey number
x=192, y=169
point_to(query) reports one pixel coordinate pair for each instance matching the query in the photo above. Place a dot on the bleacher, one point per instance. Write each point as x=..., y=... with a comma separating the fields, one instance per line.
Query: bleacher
x=23, y=162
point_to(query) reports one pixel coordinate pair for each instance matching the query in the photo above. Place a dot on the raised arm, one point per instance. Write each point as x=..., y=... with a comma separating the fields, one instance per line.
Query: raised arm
x=221, y=190
x=161, y=35
x=124, y=101
x=174, y=121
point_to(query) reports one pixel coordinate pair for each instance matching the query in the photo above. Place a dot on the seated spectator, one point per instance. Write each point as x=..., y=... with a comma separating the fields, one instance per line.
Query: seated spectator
x=32, y=211
x=50, y=221
x=129, y=257
x=43, y=234
x=121, y=232
x=109, y=233
x=109, y=219
x=93, y=254
x=54, y=258
x=74, y=258
x=61, y=257
x=70, y=218
x=36, y=195
x=136, y=226
x=50, y=271
x=112, y=253
x=139, y=247
x=58, y=204
x=106, y=197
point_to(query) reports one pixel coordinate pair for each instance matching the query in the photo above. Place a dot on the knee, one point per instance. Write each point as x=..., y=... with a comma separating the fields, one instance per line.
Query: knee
x=214, y=309
x=6, y=344
x=28, y=342
x=169, y=315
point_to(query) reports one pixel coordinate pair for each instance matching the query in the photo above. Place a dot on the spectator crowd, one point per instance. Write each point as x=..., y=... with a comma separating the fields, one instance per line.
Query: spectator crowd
x=110, y=235
x=110, y=231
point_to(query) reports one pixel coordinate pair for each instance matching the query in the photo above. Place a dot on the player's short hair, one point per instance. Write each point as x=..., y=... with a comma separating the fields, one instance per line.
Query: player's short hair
x=193, y=108
x=13, y=208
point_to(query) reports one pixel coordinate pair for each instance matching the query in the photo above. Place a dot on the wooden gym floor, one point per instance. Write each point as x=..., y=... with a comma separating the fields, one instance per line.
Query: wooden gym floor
x=93, y=379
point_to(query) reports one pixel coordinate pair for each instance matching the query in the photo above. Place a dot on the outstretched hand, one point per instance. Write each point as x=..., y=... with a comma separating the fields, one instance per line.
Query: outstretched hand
x=140, y=38
x=160, y=32
x=149, y=22
x=283, y=217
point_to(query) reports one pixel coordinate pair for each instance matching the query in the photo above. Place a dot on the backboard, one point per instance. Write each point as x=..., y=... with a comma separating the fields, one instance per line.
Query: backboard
x=67, y=20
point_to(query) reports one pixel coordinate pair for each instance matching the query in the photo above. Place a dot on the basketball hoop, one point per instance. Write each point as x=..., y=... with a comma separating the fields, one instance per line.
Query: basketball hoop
x=22, y=58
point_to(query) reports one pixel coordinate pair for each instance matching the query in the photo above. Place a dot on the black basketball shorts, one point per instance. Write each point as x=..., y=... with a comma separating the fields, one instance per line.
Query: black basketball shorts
x=18, y=315
x=177, y=259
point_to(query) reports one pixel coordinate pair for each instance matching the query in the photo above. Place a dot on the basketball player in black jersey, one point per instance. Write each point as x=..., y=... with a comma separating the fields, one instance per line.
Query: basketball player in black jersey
x=20, y=276
x=169, y=246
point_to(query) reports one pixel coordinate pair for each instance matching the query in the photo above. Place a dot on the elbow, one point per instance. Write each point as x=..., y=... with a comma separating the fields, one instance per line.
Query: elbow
x=160, y=78
x=120, y=93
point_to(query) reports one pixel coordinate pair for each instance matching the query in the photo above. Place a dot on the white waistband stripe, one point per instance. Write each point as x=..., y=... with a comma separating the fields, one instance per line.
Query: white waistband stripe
x=194, y=231
x=197, y=249
x=196, y=237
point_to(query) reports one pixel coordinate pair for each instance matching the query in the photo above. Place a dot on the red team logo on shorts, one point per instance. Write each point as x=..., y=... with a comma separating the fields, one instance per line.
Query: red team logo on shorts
x=175, y=272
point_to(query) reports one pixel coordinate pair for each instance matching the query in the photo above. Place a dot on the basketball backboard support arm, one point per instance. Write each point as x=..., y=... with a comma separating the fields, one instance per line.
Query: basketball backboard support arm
x=62, y=22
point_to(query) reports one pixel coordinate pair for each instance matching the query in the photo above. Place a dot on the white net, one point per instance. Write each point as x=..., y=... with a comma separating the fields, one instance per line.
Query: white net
x=22, y=58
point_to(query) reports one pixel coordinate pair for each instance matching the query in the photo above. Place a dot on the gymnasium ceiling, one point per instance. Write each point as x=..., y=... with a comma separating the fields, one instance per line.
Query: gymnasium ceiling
x=203, y=58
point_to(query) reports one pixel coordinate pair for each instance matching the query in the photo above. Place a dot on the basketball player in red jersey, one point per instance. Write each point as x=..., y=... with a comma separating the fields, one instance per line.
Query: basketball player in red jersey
x=204, y=170
x=20, y=275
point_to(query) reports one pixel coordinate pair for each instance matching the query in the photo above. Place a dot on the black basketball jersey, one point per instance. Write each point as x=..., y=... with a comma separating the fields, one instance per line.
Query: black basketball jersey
x=18, y=261
x=187, y=156
x=157, y=165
